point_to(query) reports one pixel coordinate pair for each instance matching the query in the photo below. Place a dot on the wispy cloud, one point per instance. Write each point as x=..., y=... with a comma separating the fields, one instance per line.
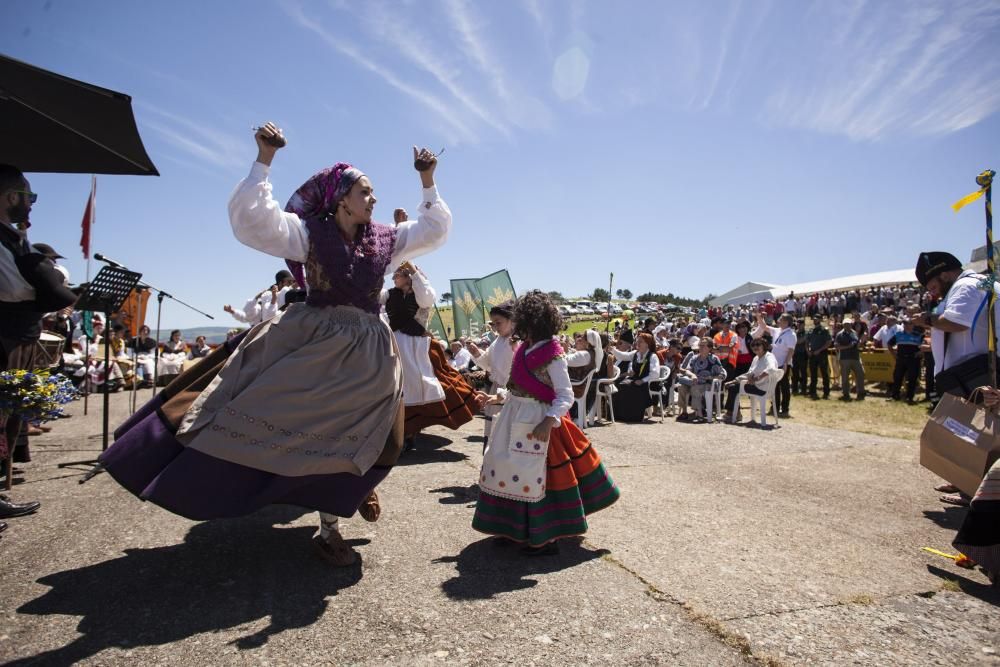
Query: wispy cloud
x=411, y=43
x=916, y=68
x=206, y=144
x=520, y=108
x=456, y=127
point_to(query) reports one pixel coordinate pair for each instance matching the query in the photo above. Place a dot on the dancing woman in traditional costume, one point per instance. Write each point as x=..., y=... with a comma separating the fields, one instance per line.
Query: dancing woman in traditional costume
x=305, y=408
x=541, y=476
x=433, y=393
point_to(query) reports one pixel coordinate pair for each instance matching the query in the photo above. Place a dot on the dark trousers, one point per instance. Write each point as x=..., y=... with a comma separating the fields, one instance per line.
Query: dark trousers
x=929, y=376
x=799, y=375
x=734, y=392
x=819, y=364
x=908, y=367
x=783, y=391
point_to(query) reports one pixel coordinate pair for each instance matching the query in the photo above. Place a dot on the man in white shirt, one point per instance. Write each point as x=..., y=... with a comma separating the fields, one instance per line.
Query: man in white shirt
x=887, y=331
x=783, y=340
x=460, y=357
x=262, y=307
x=958, y=325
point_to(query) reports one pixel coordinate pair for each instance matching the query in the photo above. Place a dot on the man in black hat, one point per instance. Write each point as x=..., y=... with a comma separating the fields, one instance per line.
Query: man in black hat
x=262, y=307
x=958, y=332
x=958, y=324
x=30, y=286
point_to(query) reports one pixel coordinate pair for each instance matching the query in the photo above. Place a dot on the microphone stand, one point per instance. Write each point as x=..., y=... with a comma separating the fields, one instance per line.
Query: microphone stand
x=160, y=294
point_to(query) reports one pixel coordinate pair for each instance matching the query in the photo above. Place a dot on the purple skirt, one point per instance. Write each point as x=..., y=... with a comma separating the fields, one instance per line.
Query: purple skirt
x=148, y=460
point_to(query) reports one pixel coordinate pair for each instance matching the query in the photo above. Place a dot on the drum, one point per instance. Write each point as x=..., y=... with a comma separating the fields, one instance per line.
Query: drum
x=51, y=347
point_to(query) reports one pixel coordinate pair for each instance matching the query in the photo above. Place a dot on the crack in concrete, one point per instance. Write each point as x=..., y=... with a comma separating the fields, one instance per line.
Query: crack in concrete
x=709, y=623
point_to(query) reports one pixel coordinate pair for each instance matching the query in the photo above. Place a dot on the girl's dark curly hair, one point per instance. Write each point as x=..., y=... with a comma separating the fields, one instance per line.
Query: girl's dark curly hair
x=536, y=317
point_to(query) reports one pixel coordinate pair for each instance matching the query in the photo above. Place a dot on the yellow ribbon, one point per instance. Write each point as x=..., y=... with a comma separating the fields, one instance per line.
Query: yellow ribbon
x=941, y=553
x=985, y=179
x=967, y=199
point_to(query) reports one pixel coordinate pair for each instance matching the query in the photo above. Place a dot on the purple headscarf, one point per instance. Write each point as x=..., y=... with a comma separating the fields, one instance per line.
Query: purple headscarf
x=317, y=198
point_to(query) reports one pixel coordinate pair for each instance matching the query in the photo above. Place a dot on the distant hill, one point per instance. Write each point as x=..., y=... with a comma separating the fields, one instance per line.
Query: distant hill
x=211, y=334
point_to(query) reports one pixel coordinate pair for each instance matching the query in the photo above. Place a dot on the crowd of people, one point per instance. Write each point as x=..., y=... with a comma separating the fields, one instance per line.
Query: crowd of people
x=375, y=377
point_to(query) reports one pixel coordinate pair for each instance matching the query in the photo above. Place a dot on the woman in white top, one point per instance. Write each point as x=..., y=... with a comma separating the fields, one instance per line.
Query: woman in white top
x=305, y=408
x=633, y=398
x=173, y=356
x=497, y=358
x=758, y=378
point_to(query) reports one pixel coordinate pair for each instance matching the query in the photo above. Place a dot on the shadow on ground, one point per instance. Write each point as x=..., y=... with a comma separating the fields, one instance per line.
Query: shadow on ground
x=430, y=449
x=947, y=517
x=985, y=592
x=225, y=574
x=492, y=566
x=458, y=495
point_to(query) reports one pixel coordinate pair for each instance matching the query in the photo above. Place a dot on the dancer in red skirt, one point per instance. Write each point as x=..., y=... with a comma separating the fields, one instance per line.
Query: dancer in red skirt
x=541, y=477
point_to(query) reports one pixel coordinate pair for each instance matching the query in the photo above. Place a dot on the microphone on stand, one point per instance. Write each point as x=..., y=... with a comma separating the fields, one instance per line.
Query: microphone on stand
x=107, y=260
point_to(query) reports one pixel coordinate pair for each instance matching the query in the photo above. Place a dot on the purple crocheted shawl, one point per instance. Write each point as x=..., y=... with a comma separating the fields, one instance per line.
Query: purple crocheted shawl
x=339, y=273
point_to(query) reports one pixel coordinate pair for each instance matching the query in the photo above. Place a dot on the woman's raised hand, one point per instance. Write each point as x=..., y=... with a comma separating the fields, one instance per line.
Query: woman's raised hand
x=269, y=139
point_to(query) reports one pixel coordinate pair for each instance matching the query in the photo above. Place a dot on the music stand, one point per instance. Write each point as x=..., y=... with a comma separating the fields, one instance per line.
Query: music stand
x=106, y=293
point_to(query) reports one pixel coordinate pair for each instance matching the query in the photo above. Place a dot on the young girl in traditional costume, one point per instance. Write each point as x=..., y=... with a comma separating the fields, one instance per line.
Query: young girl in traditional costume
x=434, y=395
x=541, y=477
x=496, y=360
x=305, y=408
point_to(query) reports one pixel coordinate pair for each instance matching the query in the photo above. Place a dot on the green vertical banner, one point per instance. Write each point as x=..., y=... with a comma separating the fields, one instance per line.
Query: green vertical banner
x=467, y=307
x=495, y=289
x=436, y=326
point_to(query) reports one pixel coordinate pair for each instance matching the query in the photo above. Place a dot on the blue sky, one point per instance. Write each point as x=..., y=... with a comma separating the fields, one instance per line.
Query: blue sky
x=688, y=147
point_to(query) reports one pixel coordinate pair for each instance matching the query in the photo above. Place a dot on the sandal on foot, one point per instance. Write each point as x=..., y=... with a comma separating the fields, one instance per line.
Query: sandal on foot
x=946, y=488
x=335, y=550
x=370, y=510
x=955, y=499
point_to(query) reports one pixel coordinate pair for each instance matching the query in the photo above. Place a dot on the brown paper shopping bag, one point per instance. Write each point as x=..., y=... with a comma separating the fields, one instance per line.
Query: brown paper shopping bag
x=960, y=442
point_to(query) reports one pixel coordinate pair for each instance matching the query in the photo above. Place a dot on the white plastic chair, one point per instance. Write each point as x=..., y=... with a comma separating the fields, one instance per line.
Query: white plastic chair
x=581, y=403
x=657, y=394
x=605, y=390
x=758, y=403
x=713, y=398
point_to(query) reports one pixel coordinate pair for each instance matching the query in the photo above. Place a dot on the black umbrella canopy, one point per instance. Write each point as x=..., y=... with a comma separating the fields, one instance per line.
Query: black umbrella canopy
x=55, y=124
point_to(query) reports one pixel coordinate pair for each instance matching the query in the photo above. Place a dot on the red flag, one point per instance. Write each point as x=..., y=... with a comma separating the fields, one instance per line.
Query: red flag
x=88, y=218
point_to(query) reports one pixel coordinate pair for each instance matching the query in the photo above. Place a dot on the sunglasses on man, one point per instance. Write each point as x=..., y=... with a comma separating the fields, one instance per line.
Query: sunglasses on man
x=32, y=197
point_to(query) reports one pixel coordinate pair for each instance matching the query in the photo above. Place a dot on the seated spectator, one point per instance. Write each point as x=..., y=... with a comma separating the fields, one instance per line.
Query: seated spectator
x=744, y=355
x=145, y=349
x=633, y=399
x=758, y=378
x=200, y=348
x=172, y=357
x=460, y=357
x=695, y=378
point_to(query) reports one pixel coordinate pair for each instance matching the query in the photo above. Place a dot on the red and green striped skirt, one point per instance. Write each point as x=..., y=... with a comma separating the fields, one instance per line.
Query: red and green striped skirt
x=576, y=485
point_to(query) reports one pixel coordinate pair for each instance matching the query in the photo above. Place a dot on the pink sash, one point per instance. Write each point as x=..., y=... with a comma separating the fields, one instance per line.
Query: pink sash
x=525, y=362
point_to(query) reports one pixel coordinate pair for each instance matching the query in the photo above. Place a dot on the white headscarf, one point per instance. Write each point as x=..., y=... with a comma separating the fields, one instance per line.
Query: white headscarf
x=594, y=339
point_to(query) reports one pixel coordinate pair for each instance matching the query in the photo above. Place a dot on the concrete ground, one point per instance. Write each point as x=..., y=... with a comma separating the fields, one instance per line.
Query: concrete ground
x=729, y=546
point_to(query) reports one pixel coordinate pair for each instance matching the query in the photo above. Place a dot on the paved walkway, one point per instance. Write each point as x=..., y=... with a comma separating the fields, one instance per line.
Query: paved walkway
x=729, y=546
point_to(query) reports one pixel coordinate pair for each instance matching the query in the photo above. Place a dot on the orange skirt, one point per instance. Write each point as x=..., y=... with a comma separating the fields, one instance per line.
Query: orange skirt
x=458, y=406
